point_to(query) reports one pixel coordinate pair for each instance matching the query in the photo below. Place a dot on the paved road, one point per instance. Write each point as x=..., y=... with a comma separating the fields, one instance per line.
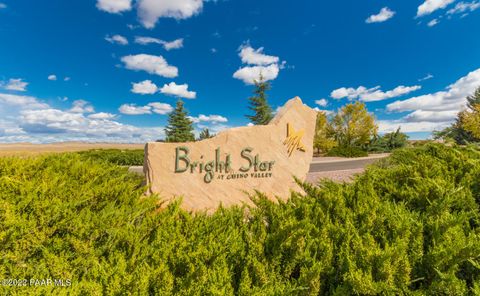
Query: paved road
x=349, y=164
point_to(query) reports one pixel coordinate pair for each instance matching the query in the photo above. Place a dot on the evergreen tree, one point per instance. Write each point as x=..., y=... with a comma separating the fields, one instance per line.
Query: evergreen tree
x=473, y=100
x=180, y=127
x=259, y=105
x=205, y=134
x=457, y=130
x=389, y=141
x=471, y=121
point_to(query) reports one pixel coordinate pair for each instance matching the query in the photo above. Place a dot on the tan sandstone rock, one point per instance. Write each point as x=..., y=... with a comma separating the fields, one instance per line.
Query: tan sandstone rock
x=223, y=169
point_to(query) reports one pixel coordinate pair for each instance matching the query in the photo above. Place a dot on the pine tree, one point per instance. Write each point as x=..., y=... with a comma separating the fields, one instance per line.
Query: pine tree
x=259, y=105
x=470, y=118
x=205, y=134
x=180, y=127
x=457, y=130
x=474, y=99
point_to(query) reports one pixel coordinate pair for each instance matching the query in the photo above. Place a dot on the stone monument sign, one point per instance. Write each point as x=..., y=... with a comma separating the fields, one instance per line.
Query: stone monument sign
x=238, y=161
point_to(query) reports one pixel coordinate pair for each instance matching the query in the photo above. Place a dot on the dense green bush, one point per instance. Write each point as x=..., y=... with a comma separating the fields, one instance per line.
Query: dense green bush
x=409, y=225
x=346, y=152
x=389, y=142
x=115, y=156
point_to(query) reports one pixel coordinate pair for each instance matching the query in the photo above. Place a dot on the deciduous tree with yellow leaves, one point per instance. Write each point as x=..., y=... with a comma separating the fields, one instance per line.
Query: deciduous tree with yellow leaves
x=353, y=126
x=466, y=128
x=470, y=120
x=324, y=139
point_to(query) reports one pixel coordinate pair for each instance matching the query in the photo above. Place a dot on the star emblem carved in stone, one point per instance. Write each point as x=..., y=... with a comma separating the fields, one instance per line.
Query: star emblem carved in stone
x=294, y=140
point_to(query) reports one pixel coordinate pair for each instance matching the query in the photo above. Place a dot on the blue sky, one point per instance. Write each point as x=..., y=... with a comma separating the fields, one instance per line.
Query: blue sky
x=111, y=70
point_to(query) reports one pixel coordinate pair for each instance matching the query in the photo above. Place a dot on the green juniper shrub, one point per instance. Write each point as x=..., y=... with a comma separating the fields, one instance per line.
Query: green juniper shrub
x=346, y=152
x=409, y=225
x=115, y=156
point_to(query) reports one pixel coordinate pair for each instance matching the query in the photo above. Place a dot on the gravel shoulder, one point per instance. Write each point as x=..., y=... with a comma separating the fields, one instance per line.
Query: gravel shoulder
x=336, y=176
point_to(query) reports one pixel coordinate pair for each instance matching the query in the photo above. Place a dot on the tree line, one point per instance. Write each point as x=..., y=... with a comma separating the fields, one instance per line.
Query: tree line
x=466, y=128
x=180, y=126
x=350, y=132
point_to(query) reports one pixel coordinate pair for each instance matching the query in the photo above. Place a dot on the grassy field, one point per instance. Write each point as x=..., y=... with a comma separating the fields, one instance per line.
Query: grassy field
x=25, y=149
x=409, y=225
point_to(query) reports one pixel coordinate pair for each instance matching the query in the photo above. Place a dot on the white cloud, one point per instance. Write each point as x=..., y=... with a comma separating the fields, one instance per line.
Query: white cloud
x=256, y=57
x=431, y=116
x=28, y=119
x=117, y=39
x=132, y=109
x=15, y=84
x=321, y=102
x=464, y=7
x=146, y=87
x=49, y=120
x=114, y=6
x=327, y=112
x=427, y=77
x=149, y=11
x=179, y=90
x=433, y=22
x=52, y=77
x=250, y=74
x=388, y=126
x=52, y=125
x=3, y=5
x=379, y=95
x=451, y=99
x=430, y=6
x=160, y=108
x=384, y=15
x=155, y=107
x=266, y=66
x=208, y=118
x=144, y=40
x=81, y=106
x=213, y=128
x=66, y=79
x=25, y=102
x=214, y=123
x=151, y=64
x=350, y=93
x=175, y=44
x=102, y=115
x=433, y=111
x=372, y=94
